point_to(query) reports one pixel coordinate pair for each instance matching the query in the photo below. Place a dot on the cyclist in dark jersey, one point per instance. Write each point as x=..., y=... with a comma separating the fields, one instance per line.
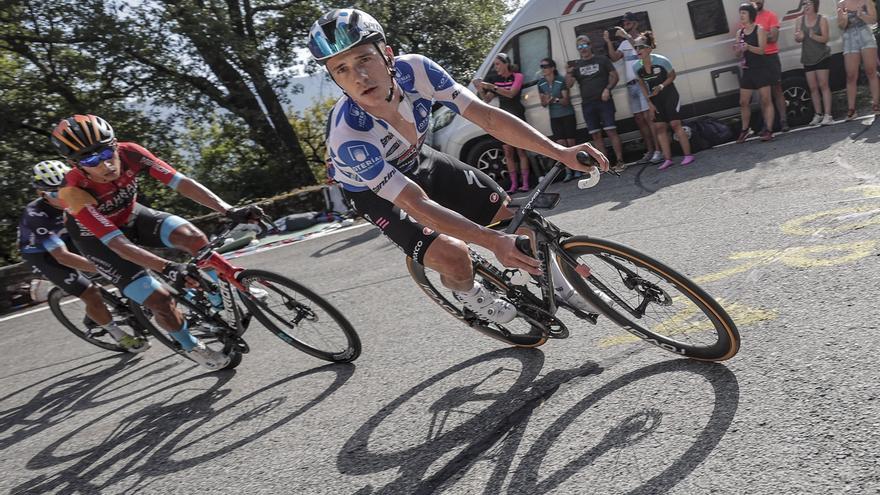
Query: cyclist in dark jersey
x=375, y=142
x=108, y=225
x=47, y=248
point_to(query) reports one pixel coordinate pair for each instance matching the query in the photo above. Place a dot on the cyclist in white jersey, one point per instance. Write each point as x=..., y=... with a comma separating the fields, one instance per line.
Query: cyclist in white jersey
x=427, y=203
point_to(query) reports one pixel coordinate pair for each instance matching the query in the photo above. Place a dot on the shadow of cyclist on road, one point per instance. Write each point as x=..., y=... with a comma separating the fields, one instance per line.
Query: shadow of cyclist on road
x=65, y=393
x=175, y=432
x=495, y=422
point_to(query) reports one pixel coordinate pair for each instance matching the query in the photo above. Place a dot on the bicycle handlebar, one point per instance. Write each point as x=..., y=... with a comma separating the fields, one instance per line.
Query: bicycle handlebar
x=583, y=157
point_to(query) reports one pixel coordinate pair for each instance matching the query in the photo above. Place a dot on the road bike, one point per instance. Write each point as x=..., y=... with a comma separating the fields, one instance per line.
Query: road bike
x=636, y=292
x=220, y=309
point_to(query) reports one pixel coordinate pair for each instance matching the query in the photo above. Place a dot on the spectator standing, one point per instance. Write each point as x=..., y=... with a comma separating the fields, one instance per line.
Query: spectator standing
x=656, y=81
x=855, y=17
x=812, y=32
x=638, y=104
x=768, y=20
x=506, y=84
x=757, y=72
x=596, y=76
x=555, y=97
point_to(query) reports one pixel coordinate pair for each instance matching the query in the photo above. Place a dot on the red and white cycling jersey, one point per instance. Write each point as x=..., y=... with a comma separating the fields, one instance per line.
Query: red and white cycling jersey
x=103, y=207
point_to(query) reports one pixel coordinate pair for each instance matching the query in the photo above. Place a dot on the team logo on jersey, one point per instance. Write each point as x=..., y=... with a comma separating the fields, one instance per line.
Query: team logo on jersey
x=404, y=75
x=423, y=111
x=388, y=137
x=493, y=198
x=357, y=153
x=358, y=119
x=427, y=231
x=438, y=77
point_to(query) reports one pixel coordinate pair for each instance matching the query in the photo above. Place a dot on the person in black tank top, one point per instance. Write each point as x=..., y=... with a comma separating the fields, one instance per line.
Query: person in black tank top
x=757, y=74
x=506, y=84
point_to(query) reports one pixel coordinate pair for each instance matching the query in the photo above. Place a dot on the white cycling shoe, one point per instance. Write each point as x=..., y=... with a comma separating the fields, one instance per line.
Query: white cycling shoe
x=208, y=358
x=487, y=305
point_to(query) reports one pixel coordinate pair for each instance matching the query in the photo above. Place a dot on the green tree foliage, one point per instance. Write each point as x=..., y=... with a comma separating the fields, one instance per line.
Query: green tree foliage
x=311, y=126
x=457, y=34
x=40, y=84
x=229, y=163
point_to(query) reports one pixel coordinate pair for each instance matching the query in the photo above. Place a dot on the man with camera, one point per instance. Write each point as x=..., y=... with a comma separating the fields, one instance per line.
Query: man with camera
x=596, y=77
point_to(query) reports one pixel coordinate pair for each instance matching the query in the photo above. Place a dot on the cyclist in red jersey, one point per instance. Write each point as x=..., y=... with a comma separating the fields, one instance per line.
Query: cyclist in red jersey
x=108, y=225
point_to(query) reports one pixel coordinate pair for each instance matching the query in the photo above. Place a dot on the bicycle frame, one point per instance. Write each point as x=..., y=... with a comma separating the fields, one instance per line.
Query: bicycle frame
x=227, y=274
x=547, y=238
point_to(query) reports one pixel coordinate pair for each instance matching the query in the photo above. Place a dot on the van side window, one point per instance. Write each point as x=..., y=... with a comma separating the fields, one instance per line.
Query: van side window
x=708, y=18
x=595, y=29
x=526, y=50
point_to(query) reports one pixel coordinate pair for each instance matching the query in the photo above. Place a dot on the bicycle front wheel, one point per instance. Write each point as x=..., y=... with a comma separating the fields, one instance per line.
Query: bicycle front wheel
x=650, y=300
x=299, y=317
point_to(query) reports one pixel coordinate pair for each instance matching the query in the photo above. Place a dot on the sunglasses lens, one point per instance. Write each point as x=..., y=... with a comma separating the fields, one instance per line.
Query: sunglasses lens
x=97, y=158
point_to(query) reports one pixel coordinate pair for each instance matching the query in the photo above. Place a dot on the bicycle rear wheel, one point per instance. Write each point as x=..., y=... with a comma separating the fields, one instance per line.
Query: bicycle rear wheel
x=300, y=317
x=71, y=312
x=651, y=300
x=516, y=333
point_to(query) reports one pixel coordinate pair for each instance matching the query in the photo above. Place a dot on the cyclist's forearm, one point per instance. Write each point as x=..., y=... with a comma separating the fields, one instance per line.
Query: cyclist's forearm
x=137, y=255
x=512, y=130
x=434, y=216
x=72, y=260
x=195, y=191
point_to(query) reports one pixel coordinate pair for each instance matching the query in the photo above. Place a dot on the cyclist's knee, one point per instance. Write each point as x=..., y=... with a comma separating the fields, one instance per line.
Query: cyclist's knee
x=144, y=290
x=177, y=232
x=450, y=257
x=91, y=296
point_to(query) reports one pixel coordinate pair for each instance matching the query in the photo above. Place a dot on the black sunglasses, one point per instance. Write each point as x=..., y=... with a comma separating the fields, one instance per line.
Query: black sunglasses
x=546, y=66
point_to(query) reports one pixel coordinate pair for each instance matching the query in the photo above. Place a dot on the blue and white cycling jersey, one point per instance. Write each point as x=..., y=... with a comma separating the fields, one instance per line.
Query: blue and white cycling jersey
x=369, y=154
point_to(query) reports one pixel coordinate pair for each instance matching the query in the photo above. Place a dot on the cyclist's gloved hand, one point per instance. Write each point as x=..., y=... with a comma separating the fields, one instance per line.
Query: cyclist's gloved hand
x=245, y=214
x=177, y=273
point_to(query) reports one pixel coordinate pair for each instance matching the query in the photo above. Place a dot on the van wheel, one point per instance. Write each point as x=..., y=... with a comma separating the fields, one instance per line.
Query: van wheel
x=488, y=157
x=799, y=107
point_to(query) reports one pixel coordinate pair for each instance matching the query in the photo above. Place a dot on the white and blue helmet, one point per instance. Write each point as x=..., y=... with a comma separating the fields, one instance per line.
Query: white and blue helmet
x=340, y=30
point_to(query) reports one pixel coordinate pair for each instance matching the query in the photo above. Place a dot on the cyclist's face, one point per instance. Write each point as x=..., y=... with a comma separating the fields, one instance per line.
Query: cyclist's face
x=362, y=73
x=106, y=171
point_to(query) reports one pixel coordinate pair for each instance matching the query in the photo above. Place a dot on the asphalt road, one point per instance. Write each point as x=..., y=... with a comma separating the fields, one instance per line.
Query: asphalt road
x=785, y=233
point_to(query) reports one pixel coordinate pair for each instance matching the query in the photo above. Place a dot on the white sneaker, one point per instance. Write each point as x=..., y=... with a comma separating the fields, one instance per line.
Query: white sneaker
x=817, y=119
x=657, y=157
x=208, y=358
x=487, y=305
x=827, y=120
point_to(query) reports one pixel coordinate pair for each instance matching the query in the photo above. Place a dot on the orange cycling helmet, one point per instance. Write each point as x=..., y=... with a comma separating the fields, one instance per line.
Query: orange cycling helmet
x=79, y=135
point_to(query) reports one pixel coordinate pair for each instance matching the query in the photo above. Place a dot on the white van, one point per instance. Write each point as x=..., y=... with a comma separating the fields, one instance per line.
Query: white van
x=697, y=36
